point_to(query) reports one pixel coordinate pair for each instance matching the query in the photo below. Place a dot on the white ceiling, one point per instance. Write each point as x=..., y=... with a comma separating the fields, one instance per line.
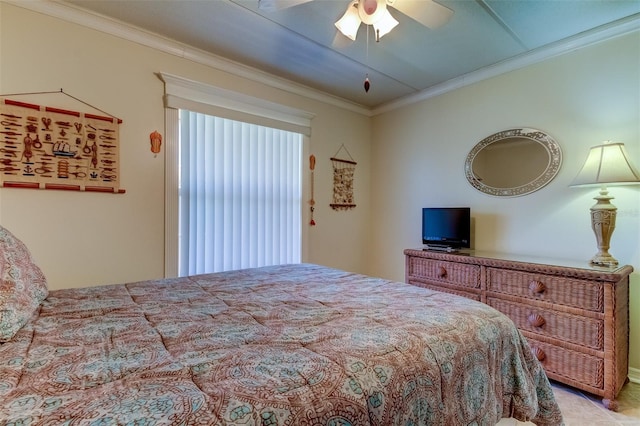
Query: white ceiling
x=301, y=43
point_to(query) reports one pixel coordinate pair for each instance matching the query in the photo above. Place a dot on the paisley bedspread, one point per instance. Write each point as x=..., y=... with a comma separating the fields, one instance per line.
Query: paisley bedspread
x=285, y=345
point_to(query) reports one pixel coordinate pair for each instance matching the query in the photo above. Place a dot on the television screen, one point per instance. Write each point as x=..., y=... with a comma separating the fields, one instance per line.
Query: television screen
x=446, y=227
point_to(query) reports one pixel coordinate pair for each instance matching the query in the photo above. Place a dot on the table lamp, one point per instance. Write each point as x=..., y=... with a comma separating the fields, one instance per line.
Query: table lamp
x=606, y=164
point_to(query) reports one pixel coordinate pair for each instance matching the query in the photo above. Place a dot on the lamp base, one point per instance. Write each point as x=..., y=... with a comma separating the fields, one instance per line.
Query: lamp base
x=603, y=222
x=604, y=259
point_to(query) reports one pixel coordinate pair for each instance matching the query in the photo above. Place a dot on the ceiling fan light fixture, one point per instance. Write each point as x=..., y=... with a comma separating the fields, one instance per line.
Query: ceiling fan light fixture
x=371, y=11
x=350, y=21
x=384, y=25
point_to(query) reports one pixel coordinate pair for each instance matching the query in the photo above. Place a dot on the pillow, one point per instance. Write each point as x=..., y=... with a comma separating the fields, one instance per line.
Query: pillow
x=22, y=285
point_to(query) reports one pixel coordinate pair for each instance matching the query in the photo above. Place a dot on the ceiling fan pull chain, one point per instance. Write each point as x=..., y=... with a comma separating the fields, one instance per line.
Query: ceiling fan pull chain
x=368, y=26
x=367, y=83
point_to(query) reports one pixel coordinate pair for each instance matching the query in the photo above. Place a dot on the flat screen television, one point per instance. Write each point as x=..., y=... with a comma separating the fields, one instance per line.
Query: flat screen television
x=446, y=228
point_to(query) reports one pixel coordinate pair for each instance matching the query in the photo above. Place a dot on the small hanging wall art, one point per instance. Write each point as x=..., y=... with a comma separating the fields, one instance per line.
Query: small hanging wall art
x=156, y=141
x=312, y=201
x=343, y=174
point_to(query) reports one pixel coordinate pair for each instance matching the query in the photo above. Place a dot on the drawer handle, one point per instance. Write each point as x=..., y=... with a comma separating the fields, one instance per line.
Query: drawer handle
x=536, y=320
x=538, y=353
x=537, y=287
x=442, y=273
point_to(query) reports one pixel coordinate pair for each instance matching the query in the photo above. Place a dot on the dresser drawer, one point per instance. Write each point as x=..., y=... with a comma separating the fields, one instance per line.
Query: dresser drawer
x=562, y=364
x=458, y=274
x=582, y=294
x=467, y=294
x=582, y=331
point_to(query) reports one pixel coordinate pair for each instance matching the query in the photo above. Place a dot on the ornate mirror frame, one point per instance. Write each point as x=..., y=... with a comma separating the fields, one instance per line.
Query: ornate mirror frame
x=550, y=145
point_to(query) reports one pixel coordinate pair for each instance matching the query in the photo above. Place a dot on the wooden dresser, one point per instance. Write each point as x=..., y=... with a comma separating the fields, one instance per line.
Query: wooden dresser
x=575, y=317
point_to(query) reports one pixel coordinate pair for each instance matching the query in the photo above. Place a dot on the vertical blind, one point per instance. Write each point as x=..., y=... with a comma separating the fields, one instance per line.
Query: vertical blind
x=240, y=195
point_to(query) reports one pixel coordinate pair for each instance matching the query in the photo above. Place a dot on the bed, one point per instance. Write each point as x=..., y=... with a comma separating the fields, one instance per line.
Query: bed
x=281, y=345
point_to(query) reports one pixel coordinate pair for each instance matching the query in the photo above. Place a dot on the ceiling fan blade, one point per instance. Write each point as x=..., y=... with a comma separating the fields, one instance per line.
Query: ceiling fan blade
x=273, y=5
x=427, y=12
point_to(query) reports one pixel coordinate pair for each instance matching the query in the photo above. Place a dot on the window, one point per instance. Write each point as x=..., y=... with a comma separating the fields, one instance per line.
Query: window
x=240, y=195
x=184, y=94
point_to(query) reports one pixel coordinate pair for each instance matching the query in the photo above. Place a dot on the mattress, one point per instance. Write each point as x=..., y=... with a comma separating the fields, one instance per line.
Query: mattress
x=282, y=345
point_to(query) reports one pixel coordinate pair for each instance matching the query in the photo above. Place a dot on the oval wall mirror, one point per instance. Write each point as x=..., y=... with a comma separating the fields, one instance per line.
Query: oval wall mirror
x=513, y=162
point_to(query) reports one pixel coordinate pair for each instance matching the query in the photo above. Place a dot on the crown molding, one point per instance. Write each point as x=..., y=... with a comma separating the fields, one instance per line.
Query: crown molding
x=111, y=26
x=76, y=15
x=588, y=38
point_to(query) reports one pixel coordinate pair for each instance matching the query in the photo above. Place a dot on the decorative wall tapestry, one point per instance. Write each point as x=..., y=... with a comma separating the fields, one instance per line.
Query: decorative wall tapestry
x=52, y=148
x=343, y=172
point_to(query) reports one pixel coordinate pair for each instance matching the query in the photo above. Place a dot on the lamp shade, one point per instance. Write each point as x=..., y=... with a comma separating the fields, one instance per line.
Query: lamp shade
x=350, y=21
x=384, y=25
x=608, y=163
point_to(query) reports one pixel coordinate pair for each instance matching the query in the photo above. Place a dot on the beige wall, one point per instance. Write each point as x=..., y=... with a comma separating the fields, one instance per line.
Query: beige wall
x=82, y=239
x=580, y=99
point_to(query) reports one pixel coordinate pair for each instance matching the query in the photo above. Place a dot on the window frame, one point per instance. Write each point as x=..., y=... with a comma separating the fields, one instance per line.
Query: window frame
x=201, y=97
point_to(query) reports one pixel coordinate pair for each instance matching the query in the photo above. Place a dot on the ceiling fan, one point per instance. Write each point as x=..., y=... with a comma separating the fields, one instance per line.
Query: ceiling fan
x=375, y=12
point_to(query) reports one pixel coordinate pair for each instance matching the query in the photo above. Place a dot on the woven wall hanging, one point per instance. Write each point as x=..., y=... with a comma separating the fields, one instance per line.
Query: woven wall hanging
x=52, y=148
x=343, y=173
